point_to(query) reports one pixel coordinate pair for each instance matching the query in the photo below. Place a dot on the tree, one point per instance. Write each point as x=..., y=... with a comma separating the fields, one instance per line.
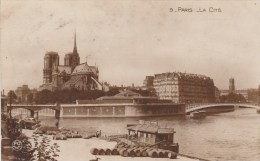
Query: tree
x=30, y=98
x=232, y=97
x=112, y=91
x=66, y=95
x=43, y=150
x=148, y=92
x=11, y=97
x=44, y=97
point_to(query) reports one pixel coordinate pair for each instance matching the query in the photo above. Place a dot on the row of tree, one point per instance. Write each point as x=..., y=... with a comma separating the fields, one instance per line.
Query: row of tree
x=71, y=95
x=232, y=97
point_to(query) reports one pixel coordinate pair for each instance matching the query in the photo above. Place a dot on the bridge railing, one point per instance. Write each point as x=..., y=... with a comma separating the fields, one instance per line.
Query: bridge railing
x=190, y=106
x=45, y=105
x=197, y=106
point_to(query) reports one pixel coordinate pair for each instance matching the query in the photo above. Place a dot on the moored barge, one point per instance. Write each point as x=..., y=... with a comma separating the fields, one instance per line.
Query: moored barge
x=150, y=134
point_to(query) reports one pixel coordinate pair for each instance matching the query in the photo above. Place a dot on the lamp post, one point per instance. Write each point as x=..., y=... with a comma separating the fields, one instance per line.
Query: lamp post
x=11, y=96
x=10, y=105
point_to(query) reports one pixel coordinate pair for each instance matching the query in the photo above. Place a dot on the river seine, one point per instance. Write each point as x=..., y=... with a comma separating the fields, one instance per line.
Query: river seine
x=223, y=136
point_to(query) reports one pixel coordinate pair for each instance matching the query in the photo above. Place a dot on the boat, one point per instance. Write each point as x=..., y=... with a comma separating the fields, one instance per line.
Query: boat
x=198, y=115
x=28, y=123
x=150, y=134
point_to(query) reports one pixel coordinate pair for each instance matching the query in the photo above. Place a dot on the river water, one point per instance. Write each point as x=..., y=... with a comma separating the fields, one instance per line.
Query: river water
x=223, y=136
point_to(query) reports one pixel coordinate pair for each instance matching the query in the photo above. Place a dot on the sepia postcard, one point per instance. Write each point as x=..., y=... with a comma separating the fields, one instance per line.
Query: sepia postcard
x=123, y=80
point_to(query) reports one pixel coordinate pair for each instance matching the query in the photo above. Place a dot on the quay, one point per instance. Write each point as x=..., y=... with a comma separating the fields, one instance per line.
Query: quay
x=79, y=149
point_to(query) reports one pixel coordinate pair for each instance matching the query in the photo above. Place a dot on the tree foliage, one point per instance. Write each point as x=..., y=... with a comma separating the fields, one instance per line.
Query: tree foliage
x=71, y=95
x=42, y=149
x=148, y=92
x=232, y=97
x=11, y=96
x=66, y=96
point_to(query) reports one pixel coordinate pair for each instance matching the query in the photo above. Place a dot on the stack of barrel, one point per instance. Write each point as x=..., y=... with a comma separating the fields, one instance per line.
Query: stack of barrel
x=126, y=150
x=64, y=134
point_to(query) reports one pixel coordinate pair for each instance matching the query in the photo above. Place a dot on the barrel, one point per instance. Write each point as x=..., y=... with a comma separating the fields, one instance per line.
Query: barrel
x=153, y=154
x=63, y=137
x=107, y=151
x=57, y=137
x=165, y=153
x=68, y=135
x=94, y=151
x=101, y=151
x=131, y=152
x=137, y=152
x=49, y=132
x=160, y=154
x=87, y=136
x=172, y=155
x=144, y=153
x=114, y=152
x=77, y=136
x=123, y=152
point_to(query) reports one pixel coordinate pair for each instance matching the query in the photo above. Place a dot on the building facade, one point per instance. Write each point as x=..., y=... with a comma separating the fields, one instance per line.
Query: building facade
x=184, y=88
x=25, y=94
x=148, y=82
x=70, y=75
x=124, y=104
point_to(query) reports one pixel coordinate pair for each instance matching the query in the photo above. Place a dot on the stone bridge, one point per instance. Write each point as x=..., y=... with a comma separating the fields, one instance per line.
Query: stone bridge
x=35, y=108
x=197, y=107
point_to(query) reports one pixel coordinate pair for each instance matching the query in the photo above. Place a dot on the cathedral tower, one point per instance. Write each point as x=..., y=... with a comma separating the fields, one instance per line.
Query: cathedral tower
x=75, y=60
x=51, y=59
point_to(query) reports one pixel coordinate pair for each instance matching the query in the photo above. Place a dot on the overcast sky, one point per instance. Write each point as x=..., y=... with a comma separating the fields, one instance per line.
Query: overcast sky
x=129, y=40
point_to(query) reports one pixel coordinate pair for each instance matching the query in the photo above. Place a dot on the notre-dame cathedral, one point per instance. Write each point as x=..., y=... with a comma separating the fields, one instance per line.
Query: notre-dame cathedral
x=70, y=75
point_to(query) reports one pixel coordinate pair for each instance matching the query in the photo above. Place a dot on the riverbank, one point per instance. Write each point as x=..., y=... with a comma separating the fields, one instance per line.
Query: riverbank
x=79, y=149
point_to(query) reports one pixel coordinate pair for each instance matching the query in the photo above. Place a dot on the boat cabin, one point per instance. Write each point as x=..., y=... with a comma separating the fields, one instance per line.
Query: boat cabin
x=150, y=134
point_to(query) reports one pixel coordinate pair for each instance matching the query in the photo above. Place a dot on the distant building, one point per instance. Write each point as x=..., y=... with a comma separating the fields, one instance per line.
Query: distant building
x=232, y=89
x=184, y=88
x=254, y=95
x=231, y=85
x=148, y=82
x=22, y=93
x=243, y=92
x=70, y=75
x=217, y=94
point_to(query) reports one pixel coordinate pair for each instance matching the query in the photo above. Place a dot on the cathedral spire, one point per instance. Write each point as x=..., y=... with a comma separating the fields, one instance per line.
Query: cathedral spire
x=75, y=45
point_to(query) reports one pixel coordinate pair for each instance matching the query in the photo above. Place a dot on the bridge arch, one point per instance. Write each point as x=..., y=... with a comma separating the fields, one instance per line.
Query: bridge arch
x=46, y=112
x=227, y=107
x=21, y=111
x=34, y=109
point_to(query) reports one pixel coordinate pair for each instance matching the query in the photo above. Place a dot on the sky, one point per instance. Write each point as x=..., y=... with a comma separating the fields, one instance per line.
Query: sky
x=129, y=40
